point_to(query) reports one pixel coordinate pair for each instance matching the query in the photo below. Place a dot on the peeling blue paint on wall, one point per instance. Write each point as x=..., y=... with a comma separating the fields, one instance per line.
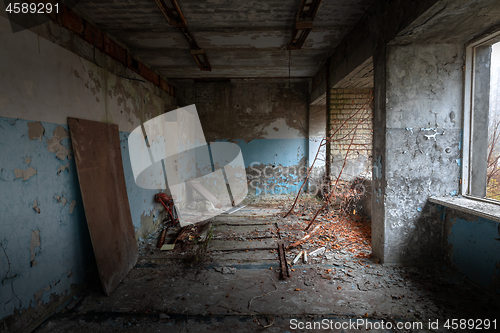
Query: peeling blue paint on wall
x=274, y=166
x=59, y=254
x=45, y=244
x=476, y=251
x=285, y=152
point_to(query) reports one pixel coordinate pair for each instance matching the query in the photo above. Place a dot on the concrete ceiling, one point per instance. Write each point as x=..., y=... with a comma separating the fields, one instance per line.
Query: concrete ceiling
x=452, y=21
x=242, y=38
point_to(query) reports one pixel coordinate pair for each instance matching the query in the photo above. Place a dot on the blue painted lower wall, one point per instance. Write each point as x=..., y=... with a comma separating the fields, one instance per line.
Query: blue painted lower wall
x=472, y=246
x=274, y=166
x=45, y=247
x=47, y=253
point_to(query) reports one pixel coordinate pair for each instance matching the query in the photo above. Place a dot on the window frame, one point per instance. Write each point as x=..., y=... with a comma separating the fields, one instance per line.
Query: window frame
x=468, y=114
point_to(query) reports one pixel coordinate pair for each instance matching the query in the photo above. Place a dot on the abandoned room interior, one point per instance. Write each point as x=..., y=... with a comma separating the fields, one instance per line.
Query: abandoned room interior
x=249, y=166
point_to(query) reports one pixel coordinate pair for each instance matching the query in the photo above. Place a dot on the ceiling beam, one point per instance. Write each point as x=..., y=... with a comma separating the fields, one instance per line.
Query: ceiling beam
x=175, y=18
x=173, y=15
x=303, y=23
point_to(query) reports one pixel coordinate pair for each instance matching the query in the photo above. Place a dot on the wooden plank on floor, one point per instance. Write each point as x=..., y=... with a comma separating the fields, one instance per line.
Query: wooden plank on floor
x=96, y=147
x=225, y=245
x=225, y=219
x=256, y=211
x=250, y=231
x=243, y=256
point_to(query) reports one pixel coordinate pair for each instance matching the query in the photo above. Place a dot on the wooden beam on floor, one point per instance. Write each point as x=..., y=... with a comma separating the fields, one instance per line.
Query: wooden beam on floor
x=283, y=264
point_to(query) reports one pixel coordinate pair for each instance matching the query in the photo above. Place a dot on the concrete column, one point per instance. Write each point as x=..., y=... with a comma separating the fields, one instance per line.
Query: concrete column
x=416, y=146
x=317, y=131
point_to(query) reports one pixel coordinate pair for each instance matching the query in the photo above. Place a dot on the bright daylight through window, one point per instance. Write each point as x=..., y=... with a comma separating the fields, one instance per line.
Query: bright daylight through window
x=481, y=144
x=493, y=173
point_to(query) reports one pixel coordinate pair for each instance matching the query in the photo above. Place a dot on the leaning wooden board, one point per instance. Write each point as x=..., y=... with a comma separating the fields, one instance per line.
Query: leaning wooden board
x=96, y=147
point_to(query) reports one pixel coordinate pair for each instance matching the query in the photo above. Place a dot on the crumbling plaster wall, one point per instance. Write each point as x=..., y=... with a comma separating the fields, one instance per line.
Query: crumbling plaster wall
x=45, y=247
x=417, y=135
x=268, y=119
x=418, y=75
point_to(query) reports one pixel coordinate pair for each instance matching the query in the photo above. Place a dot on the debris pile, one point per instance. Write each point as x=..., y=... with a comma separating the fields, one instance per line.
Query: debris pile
x=175, y=238
x=334, y=232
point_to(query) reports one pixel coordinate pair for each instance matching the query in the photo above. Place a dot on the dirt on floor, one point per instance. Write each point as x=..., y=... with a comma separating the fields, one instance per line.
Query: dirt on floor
x=226, y=276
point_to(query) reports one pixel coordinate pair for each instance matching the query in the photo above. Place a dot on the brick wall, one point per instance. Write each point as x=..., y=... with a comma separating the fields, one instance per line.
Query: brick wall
x=344, y=105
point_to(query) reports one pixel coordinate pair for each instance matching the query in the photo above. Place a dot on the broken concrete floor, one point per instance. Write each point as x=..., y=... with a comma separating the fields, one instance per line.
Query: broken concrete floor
x=236, y=286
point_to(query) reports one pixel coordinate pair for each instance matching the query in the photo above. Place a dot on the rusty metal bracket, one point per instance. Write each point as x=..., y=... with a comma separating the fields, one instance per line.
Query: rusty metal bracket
x=175, y=18
x=303, y=23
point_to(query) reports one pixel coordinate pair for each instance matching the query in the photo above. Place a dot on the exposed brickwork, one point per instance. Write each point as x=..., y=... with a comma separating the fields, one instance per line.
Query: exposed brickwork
x=93, y=36
x=72, y=21
x=344, y=103
x=114, y=50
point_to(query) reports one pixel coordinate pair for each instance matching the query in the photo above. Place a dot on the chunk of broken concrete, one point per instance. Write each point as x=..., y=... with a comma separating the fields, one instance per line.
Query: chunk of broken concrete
x=225, y=270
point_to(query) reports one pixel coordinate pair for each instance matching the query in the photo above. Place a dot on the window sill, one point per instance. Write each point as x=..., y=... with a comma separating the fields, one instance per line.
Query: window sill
x=488, y=210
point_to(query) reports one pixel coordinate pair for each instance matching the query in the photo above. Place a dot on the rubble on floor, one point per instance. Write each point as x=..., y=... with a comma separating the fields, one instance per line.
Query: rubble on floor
x=232, y=282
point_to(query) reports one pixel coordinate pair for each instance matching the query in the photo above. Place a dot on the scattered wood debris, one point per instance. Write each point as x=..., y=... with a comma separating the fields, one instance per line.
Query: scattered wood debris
x=337, y=230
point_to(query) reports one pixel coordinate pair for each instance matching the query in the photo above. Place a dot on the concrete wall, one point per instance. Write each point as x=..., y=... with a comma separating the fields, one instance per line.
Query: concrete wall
x=417, y=51
x=317, y=132
x=45, y=247
x=417, y=134
x=472, y=247
x=267, y=119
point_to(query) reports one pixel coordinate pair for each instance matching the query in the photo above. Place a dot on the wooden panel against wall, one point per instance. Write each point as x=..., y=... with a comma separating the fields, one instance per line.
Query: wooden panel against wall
x=96, y=147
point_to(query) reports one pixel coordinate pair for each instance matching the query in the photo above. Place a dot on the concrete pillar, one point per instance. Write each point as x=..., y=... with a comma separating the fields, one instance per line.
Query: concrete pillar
x=317, y=131
x=416, y=146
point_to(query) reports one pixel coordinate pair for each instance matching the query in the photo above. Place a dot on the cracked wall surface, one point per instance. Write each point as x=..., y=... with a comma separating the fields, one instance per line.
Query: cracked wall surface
x=423, y=96
x=45, y=245
x=41, y=239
